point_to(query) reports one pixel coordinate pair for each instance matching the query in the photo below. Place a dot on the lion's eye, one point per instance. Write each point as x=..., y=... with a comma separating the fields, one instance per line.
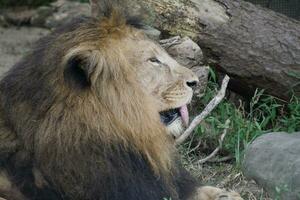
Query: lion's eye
x=154, y=60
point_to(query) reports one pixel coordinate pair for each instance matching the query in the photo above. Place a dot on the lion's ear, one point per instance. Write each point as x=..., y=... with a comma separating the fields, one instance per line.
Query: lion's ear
x=81, y=71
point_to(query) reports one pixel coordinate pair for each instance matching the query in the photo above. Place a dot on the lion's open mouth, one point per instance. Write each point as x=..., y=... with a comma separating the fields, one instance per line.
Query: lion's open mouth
x=169, y=116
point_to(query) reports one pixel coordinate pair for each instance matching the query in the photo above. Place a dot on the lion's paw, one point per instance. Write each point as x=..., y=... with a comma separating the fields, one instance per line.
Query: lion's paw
x=229, y=196
x=213, y=193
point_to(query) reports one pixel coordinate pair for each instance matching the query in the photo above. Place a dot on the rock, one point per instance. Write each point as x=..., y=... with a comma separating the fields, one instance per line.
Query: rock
x=202, y=73
x=184, y=50
x=18, y=16
x=273, y=161
x=3, y=21
x=151, y=32
x=66, y=11
x=41, y=15
x=51, y=16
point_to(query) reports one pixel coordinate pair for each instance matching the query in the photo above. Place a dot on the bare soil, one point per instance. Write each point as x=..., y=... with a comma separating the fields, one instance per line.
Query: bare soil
x=224, y=175
x=16, y=42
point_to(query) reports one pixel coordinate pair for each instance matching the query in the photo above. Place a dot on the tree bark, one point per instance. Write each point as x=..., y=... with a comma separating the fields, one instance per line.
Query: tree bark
x=257, y=47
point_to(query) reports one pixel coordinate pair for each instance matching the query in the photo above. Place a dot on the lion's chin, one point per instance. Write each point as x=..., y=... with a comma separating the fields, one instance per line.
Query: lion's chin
x=176, y=128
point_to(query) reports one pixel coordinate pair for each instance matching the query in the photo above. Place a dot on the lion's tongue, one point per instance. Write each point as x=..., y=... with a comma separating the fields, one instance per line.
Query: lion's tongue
x=184, y=113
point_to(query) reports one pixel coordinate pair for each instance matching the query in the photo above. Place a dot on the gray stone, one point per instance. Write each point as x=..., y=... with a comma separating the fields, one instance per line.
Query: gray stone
x=50, y=16
x=3, y=21
x=273, y=161
x=41, y=15
x=202, y=73
x=66, y=11
x=151, y=32
x=184, y=50
x=17, y=16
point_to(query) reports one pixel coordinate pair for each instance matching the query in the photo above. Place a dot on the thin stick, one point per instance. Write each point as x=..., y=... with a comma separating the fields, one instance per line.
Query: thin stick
x=212, y=104
x=214, y=153
x=196, y=147
x=223, y=159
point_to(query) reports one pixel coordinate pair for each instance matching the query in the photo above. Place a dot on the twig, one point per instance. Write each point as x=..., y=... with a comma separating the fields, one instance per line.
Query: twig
x=214, y=153
x=223, y=159
x=212, y=104
x=196, y=147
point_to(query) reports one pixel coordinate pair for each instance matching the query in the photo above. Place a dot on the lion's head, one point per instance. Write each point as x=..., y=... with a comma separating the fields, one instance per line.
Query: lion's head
x=164, y=80
x=136, y=77
x=159, y=75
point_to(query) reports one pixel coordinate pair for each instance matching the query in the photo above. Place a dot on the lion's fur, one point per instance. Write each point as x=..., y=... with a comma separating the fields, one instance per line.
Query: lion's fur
x=87, y=135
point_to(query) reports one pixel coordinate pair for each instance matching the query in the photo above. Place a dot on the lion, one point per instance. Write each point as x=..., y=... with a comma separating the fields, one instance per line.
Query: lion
x=86, y=116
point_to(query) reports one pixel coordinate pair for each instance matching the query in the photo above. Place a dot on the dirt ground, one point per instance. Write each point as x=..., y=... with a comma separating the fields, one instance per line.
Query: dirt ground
x=223, y=175
x=16, y=42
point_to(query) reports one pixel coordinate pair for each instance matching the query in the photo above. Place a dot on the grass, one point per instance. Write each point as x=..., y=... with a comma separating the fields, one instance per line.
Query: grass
x=248, y=120
x=264, y=114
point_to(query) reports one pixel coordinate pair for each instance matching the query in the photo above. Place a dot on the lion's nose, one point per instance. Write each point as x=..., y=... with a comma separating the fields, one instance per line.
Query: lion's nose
x=192, y=83
x=189, y=78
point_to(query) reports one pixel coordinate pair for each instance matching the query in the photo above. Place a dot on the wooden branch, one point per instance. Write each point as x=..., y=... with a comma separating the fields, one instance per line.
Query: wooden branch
x=215, y=152
x=196, y=147
x=223, y=159
x=208, y=109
